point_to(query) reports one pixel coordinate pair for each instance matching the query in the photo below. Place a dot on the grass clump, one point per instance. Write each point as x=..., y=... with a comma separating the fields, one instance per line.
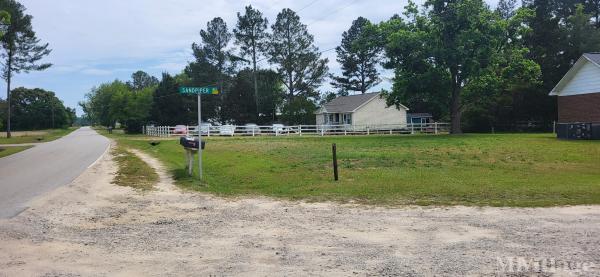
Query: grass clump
x=7, y=151
x=133, y=172
x=19, y=137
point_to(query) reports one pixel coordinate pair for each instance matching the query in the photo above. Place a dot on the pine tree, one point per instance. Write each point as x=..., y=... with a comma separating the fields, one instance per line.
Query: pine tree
x=213, y=55
x=250, y=35
x=21, y=49
x=358, y=56
x=296, y=58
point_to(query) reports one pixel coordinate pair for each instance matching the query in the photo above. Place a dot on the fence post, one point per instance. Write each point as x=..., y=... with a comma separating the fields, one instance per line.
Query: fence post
x=554, y=127
x=335, y=164
x=412, y=128
x=300, y=129
x=435, y=127
x=368, y=131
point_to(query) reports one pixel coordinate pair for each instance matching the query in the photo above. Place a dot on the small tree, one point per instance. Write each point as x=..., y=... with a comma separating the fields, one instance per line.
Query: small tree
x=21, y=49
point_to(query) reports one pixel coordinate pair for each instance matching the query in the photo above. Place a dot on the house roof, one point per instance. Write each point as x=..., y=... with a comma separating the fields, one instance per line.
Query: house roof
x=593, y=58
x=350, y=103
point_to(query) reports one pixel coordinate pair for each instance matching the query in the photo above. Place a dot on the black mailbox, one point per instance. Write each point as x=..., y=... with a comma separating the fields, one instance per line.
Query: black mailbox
x=190, y=143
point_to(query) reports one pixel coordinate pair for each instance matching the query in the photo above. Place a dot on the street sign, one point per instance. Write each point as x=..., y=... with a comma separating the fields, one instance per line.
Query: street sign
x=199, y=90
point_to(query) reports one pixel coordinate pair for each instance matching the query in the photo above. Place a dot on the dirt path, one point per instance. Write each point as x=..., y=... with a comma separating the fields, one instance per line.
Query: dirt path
x=94, y=228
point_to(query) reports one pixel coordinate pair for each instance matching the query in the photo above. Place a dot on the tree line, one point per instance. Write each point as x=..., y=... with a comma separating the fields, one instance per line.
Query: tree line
x=460, y=60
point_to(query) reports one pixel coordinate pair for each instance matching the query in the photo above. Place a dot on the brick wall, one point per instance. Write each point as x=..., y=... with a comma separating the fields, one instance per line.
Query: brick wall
x=579, y=108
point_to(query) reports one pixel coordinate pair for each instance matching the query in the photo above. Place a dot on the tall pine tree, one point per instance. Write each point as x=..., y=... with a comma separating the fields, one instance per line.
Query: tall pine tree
x=296, y=58
x=358, y=55
x=21, y=49
x=250, y=34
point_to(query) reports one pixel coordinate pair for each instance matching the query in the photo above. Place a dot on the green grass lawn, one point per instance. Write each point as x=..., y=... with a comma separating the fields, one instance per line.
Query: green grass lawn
x=474, y=169
x=33, y=136
x=7, y=151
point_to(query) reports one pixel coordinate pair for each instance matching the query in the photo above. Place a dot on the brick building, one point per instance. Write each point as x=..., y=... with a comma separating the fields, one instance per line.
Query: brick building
x=578, y=94
x=579, y=91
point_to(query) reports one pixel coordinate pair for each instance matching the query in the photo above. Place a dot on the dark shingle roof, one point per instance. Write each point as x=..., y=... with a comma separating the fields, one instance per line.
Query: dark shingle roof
x=594, y=57
x=344, y=104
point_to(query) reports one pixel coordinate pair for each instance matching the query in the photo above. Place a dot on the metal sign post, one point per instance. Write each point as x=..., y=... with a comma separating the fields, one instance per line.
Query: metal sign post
x=199, y=137
x=199, y=91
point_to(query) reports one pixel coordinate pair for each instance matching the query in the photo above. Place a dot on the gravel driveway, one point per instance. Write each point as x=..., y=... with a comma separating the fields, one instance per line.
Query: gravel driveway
x=94, y=228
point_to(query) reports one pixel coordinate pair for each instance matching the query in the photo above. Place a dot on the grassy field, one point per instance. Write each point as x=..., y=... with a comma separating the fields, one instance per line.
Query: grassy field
x=7, y=151
x=34, y=136
x=475, y=169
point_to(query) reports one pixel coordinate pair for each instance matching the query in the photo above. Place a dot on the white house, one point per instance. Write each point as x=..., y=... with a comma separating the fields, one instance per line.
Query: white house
x=361, y=110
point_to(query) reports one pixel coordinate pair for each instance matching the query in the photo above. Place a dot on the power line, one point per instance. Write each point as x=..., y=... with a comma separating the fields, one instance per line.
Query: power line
x=321, y=52
x=306, y=6
x=331, y=13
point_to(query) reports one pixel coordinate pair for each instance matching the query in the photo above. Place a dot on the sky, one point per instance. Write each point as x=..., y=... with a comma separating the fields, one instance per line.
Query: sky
x=96, y=41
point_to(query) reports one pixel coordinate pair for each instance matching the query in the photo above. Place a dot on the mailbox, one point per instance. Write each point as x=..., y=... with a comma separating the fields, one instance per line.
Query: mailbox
x=191, y=143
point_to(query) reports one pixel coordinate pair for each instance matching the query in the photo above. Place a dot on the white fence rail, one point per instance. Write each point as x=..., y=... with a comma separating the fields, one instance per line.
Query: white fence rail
x=280, y=130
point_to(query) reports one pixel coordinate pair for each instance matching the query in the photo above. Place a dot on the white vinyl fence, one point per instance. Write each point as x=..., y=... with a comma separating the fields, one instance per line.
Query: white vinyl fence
x=299, y=130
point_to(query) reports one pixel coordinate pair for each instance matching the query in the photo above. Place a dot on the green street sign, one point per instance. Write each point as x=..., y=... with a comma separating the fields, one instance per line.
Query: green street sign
x=199, y=90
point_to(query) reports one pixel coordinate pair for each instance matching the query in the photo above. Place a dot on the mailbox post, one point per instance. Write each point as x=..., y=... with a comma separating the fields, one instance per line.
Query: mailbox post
x=191, y=146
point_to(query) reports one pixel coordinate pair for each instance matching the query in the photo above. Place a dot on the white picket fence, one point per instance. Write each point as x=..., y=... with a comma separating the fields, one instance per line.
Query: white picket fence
x=280, y=130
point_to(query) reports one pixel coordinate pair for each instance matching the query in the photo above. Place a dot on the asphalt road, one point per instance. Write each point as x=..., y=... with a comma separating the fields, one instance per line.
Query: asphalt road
x=38, y=170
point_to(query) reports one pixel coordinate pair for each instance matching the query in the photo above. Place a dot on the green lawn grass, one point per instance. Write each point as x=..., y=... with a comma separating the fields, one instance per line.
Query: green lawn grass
x=474, y=169
x=33, y=136
x=7, y=151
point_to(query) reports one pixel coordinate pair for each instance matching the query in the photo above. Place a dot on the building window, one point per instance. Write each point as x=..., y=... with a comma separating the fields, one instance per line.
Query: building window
x=348, y=118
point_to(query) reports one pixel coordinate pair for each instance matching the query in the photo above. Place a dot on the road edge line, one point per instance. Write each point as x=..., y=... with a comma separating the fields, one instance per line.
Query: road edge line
x=101, y=156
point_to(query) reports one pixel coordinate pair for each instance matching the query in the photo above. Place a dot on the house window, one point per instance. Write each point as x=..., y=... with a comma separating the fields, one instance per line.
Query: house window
x=348, y=118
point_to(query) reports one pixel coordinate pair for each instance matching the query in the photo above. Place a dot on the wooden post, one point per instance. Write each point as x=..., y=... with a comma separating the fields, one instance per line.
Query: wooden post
x=190, y=160
x=335, y=164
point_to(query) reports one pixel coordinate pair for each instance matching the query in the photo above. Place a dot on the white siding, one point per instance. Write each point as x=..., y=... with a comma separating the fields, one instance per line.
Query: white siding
x=586, y=80
x=377, y=112
x=320, y=119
